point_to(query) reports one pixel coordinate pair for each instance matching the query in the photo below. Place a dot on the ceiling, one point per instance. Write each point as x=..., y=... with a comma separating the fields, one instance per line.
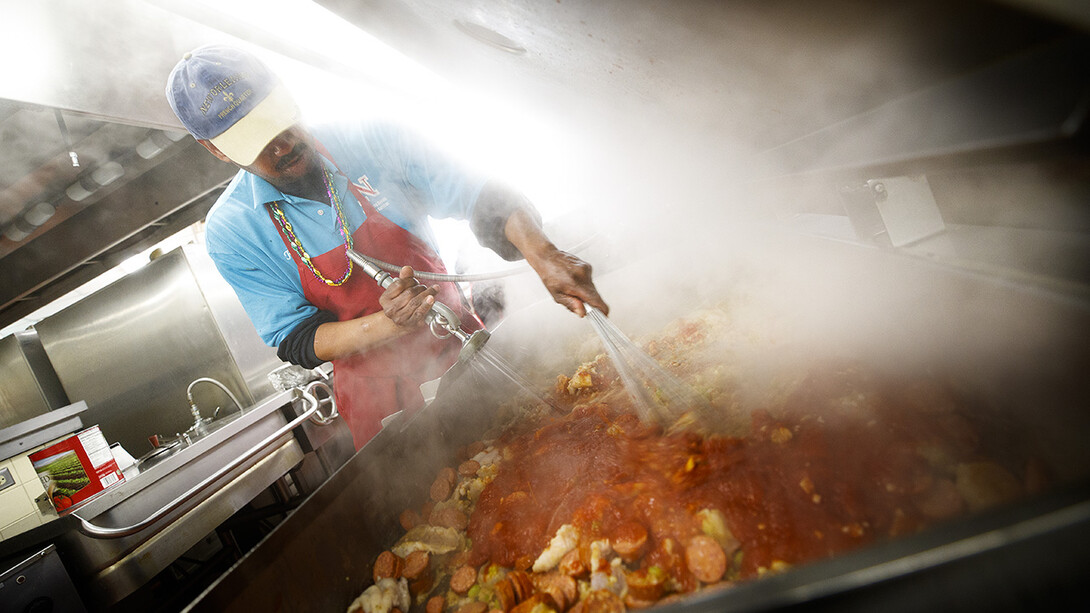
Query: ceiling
x=655, y=80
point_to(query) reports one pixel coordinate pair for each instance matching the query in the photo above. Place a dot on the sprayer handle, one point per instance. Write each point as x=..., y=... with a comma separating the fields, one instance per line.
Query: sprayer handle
x=443, y=316
x=384, y=279
x=440, y=317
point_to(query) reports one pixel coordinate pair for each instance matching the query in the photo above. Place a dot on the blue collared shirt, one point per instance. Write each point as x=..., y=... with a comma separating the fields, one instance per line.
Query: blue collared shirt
x=404, y=178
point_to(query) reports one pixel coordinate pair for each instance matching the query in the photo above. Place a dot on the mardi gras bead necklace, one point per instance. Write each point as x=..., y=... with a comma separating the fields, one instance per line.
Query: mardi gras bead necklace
x=297, y=245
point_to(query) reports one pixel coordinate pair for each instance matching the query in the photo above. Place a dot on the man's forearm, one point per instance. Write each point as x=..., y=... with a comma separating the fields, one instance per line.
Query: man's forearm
x=567, y=278
x=339, y=339
x=525, y=233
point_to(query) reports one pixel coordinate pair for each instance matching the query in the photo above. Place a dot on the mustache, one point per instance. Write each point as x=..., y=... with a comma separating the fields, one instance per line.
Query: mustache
x=293, y=156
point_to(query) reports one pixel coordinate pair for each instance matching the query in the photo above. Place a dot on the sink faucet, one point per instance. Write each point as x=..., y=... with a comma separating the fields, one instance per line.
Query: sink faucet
x=198, y=421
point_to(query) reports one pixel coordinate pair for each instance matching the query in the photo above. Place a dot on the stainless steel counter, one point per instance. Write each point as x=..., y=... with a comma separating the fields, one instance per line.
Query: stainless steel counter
x=109, y=569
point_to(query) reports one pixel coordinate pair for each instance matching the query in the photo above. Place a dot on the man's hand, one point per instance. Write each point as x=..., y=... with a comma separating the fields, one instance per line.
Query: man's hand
x=568, y=279
x=406, y=302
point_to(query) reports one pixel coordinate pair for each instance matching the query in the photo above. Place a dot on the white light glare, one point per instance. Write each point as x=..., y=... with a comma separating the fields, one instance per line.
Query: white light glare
x=485, y=132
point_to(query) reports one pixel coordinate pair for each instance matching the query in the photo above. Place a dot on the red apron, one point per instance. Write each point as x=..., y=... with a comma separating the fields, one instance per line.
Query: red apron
x=372, y=385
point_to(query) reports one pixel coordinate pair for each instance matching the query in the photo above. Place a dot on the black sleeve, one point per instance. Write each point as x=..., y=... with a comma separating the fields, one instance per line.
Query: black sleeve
x=298, y=346
x=494, y=205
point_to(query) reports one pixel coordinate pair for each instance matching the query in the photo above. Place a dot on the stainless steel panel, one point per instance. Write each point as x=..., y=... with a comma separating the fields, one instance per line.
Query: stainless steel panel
x=20, y=396
x=28, y=385
x=152, y=204
x=255, y=359
x=83, y=54
x=25, y=436
x=131, y=349
x=39, y=583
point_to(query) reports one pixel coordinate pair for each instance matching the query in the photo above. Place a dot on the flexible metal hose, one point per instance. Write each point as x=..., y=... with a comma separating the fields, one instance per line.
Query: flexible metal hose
x=445, y=277
x=463, y=278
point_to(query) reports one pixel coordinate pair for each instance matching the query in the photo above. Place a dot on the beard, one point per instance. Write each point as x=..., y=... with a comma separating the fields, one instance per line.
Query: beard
x=299, y=174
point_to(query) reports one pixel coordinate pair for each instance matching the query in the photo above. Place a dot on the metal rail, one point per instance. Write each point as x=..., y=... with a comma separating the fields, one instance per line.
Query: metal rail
x=95, y=531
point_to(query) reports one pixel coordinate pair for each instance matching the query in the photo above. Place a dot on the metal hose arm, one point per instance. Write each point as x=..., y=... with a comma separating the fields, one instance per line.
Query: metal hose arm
x=374, y=264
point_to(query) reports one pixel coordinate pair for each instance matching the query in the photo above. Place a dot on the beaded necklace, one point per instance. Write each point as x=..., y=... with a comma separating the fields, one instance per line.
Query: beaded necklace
x=297, y=245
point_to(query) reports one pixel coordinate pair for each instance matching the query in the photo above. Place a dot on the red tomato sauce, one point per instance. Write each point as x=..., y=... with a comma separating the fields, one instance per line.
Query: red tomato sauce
x=837, y=467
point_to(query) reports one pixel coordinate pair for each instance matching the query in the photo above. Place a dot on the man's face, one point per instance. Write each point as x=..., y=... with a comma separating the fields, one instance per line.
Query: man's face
x=289, y=162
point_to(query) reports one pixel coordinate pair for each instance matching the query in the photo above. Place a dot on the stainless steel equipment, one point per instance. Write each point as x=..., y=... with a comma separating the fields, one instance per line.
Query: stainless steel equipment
x=28, y=383
x=200, y=424
x=39, y=583
x=157, y=330
x=119, y=540
x=27, y=435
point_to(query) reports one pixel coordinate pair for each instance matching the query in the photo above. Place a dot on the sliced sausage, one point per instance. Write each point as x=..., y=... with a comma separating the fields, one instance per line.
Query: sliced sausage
x=460, y=559
x=441, y=489
x=387, y=565
x=563, y=589
x=523, y=563
x=418, y=571
x=417, y=564
x=409, y=519
x=474, y=448
x=572, y=565
x=422, y=584
x=523, y=584
x=448, y=473
x=505, y=594
x=706, y=559
x=469, y=468
x=463, y=579
x=436, y=604
x=629, y=540
x=631, y=602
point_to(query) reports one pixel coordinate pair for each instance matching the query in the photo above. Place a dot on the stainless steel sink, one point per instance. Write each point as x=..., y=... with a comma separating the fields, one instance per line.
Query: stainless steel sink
x=111, y=568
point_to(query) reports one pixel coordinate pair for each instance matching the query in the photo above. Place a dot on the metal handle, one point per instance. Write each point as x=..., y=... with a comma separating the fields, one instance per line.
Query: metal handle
x=442, y=319
x=95, y=531
x=318, y=418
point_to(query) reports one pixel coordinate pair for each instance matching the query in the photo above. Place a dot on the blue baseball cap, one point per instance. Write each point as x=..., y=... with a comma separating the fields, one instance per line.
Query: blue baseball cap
x=229, y=97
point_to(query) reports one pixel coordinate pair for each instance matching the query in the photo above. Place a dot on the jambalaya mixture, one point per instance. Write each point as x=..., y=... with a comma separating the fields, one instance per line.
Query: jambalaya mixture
x=587, y=509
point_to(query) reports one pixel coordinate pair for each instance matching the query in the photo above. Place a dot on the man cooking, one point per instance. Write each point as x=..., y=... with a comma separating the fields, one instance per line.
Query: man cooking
x=278, y=233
